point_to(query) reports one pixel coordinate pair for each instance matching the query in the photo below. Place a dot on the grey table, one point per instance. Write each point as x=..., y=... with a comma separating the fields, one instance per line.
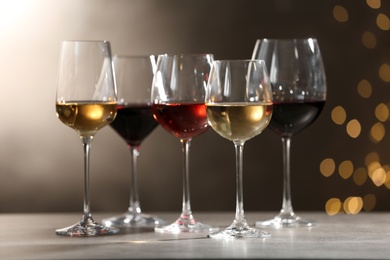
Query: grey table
x=361, y=236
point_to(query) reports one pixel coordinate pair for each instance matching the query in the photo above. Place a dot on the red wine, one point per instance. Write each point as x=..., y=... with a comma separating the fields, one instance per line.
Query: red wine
x=134, y=123
x=290, y=118
x=184, y=121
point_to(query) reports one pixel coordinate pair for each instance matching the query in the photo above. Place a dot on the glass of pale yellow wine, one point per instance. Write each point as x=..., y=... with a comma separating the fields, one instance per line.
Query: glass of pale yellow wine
x=239, y=107
x=86, y=101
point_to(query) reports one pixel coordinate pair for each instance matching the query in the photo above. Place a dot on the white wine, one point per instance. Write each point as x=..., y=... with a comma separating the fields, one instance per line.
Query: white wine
x=239, y=121
x=86, y=117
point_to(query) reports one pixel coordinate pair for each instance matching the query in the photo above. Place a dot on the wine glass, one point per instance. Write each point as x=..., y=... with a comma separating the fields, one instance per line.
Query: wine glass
x=178, y=92
x=134, y=122
x=239, y=107
x=86, y=100
x=299, y=92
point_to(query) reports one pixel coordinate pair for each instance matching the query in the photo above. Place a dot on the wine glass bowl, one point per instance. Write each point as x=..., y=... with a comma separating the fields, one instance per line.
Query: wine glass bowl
x=133, y=123
x=178, y=94
x=86, y=101
x=239, y=107
x=298, y=82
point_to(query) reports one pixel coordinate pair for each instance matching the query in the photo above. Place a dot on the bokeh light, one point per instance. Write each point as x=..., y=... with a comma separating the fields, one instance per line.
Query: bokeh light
x=377, y=132
x=370, y=158
x=353, y=128
x=360, y=176
x=374, y=4
x=379, y=176
x=346, y=169
x=369, y=202
x=382, y=112
x=353, y=205
x=364, y=88
x=384, y=72
x=383, y=22
x=369, y=40
x=338, y=115
x=340, y=13
x=333, y=206
x=372, y=169
x=327, y=167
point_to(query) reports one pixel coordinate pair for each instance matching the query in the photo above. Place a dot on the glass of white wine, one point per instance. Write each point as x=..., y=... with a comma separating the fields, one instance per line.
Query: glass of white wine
x=239, y=107
x=86, y=100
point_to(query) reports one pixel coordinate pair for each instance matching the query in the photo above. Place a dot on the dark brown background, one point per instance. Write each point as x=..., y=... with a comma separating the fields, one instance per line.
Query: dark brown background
x=41, y=160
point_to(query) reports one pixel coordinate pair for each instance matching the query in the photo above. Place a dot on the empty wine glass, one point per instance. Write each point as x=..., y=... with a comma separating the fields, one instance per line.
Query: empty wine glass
x=178, y=92
x=239, y=107
x=134, y=122
x=86, y=100
x=299, y=91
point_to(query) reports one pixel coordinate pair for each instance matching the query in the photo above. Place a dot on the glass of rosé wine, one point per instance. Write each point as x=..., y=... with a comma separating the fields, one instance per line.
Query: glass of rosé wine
x=178, y=102
x=298, y=82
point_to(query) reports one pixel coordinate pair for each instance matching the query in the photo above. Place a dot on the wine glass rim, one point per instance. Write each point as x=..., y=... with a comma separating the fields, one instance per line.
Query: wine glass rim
x=135, y=56
x=186, y=54
x=239, y=60
x=287, y=39
x=87, y=41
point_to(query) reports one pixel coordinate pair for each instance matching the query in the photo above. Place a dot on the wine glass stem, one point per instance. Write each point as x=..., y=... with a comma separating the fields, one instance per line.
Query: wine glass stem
x=186, y=208
x=134, y=207
x=287, y=204
x=240, y=216
x=87, y=147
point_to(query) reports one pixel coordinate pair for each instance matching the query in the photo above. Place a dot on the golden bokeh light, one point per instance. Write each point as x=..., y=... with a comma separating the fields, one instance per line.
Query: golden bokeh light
x=383, y=22
x=379, y=176
x=353, y=205
x=340, y=13
x=353, y=128
x=338, y=115
x=387, y=181
x=372, y=168
x=327, y=167
x=374, y=4
x=369, y=40
x=369, y=202
x=377, y=132
x=382, y=112
x=333, y=206
x=384, y=72
x=360, y=176
x=371, y=158
x=364, y=88
x=346, y=169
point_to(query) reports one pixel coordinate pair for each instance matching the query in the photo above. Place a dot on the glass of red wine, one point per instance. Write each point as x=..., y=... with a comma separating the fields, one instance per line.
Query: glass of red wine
x=239, y=107
x=178, y=97
x=298, y=82
x=134, y=122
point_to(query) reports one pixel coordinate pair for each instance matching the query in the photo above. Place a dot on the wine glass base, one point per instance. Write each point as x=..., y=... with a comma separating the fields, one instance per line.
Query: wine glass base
x=87, y=228
x=285, y=221
x=232, y=233
x=128, y=220
x=183, y=226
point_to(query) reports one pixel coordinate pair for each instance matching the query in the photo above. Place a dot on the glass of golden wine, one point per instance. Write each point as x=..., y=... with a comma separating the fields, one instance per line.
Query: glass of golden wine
x=86, y=101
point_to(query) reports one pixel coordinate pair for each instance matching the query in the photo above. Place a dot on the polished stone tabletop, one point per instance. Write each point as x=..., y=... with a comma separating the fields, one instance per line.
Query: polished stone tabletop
x=361, y=236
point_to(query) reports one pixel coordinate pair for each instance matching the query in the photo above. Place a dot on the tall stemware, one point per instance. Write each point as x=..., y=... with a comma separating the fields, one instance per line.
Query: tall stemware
x=239, y=107
x=134, y=122
x=298, y=82
x=86, y=100
x=178, y=92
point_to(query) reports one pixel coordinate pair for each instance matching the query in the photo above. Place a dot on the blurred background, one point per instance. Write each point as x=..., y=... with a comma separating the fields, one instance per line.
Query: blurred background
x=340, y=164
